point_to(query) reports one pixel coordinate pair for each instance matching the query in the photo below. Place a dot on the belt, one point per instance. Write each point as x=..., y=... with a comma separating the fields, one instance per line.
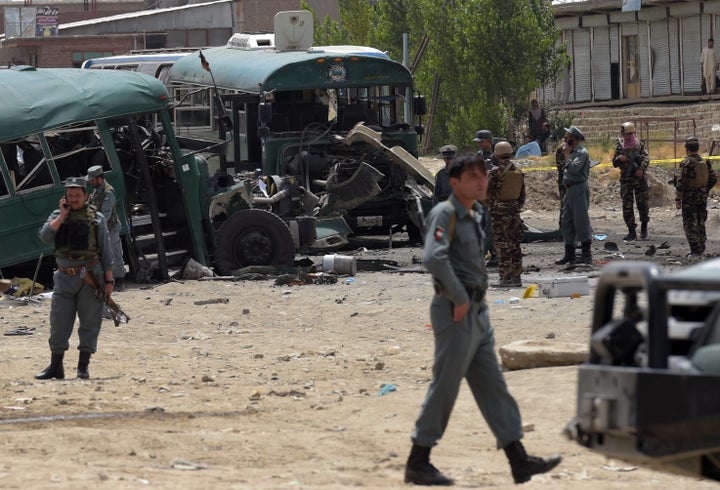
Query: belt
x=80, y=269
x=476, y=294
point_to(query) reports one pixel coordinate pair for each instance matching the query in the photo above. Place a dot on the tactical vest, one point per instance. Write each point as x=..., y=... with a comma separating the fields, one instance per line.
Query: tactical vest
x=702, y=174
x=77, y=237
x=97, y=199
x=512, y=181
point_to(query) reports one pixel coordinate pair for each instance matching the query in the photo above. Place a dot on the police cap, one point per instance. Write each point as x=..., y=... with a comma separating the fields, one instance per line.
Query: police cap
x=691, y=140
x=95, y=171
x=575, y=131
x=448, y=151
x=483, y=134
x=75, y=182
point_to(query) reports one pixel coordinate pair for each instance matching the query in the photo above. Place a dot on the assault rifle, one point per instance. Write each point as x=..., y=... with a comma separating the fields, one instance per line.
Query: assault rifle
x=118, y=316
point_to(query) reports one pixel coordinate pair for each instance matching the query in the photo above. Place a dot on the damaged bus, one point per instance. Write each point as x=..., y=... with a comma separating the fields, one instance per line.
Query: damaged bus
x=59, y=122
x=336, y=120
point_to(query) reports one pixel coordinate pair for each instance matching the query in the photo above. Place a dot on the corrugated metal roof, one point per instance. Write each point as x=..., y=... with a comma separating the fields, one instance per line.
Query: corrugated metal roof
x=137, y=15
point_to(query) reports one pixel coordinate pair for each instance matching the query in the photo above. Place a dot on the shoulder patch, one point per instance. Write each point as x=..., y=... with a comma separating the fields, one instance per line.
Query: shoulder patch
x=440, y=233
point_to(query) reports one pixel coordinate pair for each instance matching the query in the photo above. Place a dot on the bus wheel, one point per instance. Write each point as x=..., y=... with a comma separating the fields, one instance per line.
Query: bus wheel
x=253, y=237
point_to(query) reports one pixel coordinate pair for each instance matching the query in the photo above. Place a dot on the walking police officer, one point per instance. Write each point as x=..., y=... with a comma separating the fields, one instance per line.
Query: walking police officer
x=632, y=158
x=83, y=256
x=576, y=202
x=506, y=197
x=464, y=341
x=696, y=178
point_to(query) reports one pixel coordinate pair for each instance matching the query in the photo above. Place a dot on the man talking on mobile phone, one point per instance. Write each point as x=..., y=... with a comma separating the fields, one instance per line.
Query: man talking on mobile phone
x=575, y=221
x=84, y=265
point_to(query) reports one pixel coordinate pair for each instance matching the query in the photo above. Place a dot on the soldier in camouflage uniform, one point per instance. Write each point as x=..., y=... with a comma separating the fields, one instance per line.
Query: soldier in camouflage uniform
x=631, y=157
x=506, y=197
x=693, y=182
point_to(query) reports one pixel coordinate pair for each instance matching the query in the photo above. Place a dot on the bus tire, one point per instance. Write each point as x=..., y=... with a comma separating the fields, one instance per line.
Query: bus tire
x=253, y=237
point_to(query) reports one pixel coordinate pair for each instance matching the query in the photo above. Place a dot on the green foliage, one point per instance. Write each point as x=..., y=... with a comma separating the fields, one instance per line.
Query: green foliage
x=558, y=120
x=356, y=20
x=489, y=55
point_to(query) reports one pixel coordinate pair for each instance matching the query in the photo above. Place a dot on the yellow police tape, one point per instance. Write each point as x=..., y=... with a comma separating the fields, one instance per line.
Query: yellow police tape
x=609, y=164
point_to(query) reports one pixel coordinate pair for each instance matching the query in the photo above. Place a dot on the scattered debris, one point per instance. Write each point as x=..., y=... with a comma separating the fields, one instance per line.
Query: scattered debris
x=184, y=464
x=386, y=388
x=212, y=301
x=611, y=246
x=21, y=330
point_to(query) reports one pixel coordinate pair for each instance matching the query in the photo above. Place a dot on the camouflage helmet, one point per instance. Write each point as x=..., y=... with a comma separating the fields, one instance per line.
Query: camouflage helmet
x=627, y=128
x=503, y=149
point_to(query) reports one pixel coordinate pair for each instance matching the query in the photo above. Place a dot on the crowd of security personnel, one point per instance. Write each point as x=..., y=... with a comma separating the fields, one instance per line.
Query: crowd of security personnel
x=506, y=196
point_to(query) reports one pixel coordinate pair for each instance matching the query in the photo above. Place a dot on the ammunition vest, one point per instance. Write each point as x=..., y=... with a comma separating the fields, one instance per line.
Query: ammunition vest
x=97, y=198
x=77, y=237
x=511, y=179
x=702, y=174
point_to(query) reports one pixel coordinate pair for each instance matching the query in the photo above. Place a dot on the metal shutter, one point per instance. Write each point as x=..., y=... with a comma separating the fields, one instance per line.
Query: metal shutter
x=644, y=61
x=660, y=58
x=601, y=63
x=581, y=87
x=692, y=45
x=674, y=46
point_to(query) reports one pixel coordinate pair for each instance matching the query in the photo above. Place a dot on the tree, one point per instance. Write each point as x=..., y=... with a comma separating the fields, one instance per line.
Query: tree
x=356, y=20
x=489, y=55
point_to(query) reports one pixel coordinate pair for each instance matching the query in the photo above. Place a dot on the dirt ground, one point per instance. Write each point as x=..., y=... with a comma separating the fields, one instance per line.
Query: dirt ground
x=275, y=387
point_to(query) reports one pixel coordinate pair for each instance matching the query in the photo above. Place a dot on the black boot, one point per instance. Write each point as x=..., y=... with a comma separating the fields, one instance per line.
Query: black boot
x=492, y=261
x=632, y=235
x=55, y=369
x=643, y=230
x=82, y=368
x=524, y=466
x=569, y=257
x=419, y=470
x=586, y=253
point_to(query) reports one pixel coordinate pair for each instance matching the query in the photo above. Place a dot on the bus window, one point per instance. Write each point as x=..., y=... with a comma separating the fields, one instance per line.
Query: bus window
x=8, y=154
x=37, y=173
x=74, y=150
x=195, y=109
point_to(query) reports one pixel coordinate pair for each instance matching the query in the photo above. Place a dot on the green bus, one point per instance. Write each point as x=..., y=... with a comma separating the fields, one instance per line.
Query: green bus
x=338, y=120
x=59, y=122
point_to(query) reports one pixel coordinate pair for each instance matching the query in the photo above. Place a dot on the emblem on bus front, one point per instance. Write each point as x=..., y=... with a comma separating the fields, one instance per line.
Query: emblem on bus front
x=337, y=73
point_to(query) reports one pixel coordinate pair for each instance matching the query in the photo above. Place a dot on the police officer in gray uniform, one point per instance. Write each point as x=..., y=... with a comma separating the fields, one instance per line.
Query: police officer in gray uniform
x=575, y=221
x=442, y=188
x=464, y=341
x=104, y=199
x=82, y=248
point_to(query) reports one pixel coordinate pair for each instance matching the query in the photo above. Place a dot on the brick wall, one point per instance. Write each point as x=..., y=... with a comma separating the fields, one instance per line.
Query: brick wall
x=696, y=119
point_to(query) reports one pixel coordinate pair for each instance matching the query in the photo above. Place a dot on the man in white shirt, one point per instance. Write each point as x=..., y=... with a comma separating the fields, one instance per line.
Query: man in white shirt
x=709, y=62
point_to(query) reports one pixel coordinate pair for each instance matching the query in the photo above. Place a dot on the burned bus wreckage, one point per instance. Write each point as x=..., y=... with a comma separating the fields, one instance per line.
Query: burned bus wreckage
x=307, y=146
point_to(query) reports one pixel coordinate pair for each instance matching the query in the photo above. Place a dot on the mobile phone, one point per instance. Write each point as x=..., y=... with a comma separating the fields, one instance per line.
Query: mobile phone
x=65, y=204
